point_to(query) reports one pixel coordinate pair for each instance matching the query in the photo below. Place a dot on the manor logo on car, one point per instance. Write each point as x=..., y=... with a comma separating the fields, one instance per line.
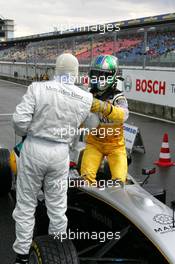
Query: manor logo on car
x=163, y=219
x=166, y=222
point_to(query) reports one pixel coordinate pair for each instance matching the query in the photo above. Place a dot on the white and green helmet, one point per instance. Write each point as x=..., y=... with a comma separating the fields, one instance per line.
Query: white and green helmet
x=103, y=72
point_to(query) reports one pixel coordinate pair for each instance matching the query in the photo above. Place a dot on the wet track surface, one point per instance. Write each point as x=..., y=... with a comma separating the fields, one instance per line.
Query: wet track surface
x=151, y=130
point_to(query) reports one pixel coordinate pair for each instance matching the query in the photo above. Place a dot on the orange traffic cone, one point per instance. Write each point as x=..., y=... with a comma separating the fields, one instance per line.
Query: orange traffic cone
x=165, y=157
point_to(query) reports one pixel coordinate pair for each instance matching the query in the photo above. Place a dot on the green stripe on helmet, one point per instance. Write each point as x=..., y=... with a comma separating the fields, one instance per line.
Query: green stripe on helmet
x=111, y=62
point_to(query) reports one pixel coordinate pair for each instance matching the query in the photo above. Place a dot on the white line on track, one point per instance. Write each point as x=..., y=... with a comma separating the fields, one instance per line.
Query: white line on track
x=14, y=83
x=6, y=114
x=152, y=117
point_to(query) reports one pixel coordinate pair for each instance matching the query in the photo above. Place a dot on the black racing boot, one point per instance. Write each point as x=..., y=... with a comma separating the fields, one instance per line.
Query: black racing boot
x=22, y=259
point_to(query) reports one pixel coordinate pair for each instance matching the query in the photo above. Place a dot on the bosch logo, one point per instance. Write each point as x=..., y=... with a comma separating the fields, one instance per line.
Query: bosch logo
x=163, y=219
x=149, y=86
x=127, y=83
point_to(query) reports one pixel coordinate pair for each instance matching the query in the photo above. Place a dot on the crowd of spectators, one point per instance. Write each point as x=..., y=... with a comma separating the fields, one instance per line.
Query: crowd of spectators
x=129, y=47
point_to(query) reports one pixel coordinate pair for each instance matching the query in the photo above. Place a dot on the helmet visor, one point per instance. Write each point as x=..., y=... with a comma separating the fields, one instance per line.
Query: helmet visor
x=101, y=79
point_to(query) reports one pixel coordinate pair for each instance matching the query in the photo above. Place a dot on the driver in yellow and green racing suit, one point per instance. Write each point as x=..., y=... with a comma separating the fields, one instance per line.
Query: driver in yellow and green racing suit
x=108, y=139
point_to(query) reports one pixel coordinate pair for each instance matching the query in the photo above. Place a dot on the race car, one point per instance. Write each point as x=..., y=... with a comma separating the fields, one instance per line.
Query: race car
x=119, y=223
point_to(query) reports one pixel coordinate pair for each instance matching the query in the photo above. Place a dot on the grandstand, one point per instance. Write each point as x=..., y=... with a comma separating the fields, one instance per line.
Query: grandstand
x=148, y=40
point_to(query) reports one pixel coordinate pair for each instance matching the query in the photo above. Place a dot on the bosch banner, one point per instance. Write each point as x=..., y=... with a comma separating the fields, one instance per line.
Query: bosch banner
x=156, y=87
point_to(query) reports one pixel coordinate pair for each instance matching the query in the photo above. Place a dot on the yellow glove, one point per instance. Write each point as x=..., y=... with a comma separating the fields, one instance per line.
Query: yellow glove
x=114, y=113
x=117, y=114
x=99, y=106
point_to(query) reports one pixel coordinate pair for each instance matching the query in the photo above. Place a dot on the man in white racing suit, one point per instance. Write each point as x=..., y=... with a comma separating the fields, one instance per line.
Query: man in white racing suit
x=47, y=115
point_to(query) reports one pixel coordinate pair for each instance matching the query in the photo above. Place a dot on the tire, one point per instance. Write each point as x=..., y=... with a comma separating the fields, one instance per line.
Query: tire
x=5, y=172
x=47, y=250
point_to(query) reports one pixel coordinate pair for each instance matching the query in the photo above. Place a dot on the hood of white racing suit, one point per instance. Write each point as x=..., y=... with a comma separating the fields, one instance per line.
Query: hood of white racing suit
x=67, y=65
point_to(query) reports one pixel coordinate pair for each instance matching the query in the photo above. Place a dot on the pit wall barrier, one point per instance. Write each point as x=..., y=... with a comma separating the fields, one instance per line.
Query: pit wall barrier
x=152, y=110
x=150, y=91
x=25, y=72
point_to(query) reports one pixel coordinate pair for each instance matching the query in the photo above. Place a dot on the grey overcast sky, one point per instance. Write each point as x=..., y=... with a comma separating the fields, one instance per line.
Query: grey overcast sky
x=40, y=16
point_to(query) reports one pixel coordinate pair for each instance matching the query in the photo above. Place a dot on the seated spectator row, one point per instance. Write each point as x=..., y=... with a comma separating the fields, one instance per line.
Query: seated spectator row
x=125, y=46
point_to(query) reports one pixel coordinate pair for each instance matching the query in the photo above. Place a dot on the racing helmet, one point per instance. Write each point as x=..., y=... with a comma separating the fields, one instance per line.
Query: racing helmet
x=67, y=64
x=103, y=73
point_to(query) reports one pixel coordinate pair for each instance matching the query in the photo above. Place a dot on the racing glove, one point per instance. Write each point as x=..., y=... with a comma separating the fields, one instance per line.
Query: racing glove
x=113, y=113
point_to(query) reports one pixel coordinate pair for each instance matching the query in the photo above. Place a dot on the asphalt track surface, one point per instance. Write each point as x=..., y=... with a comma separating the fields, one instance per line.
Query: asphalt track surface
x=151, y=130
